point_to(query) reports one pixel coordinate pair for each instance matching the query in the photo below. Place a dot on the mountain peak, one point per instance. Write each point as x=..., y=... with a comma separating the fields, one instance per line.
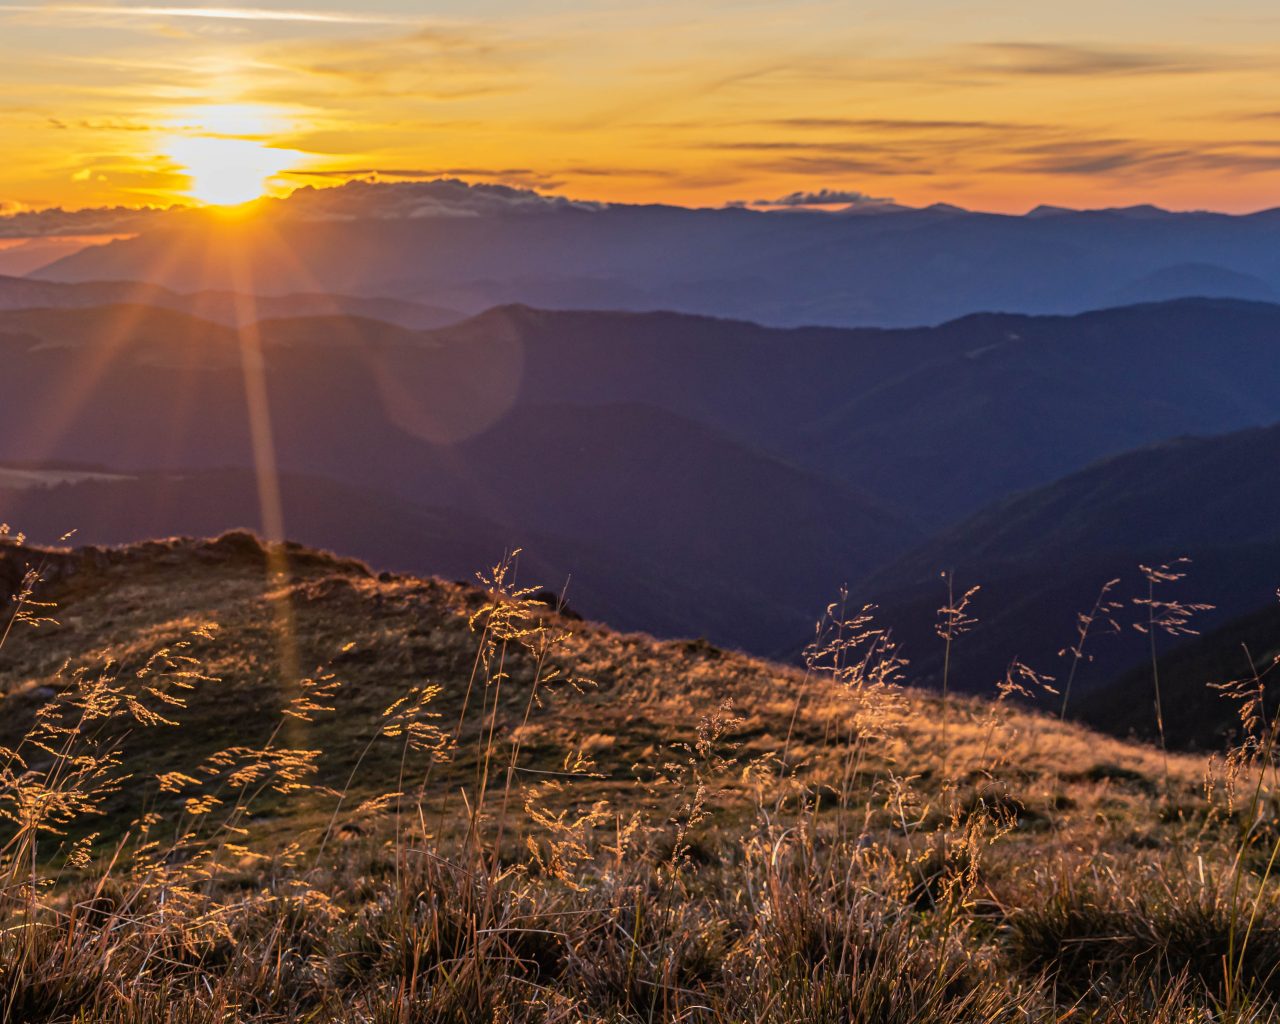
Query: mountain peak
x=1047, y=210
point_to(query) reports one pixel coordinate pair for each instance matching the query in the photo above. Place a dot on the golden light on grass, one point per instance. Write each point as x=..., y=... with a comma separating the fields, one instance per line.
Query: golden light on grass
x=225, y=149
x=685, y=834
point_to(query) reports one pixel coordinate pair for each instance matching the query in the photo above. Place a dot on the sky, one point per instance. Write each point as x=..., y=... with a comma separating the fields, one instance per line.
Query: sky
x=991, y=105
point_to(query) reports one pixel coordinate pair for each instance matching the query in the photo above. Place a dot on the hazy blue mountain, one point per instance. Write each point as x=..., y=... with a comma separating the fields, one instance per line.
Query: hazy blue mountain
x=30, y=254
x=388, y=411
x=1041, y=556
x=1193, y=279
x=769, y=466
x=224, y=307
x=1197, y=712
x=935, y=422
x=614, y=585
x=931, y=422
x=1190, y=491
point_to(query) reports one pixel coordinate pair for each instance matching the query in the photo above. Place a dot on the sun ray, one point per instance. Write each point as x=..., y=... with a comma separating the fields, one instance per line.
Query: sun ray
x=267, y=475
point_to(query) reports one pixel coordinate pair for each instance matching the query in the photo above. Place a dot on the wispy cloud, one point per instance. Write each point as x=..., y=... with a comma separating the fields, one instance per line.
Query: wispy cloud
x=1101, y=157
x=1069, y=60
x=213, y=13
x=897, y=125
x=1021, y=150
x=821, y=165
x=457, y=62
x=107, y=124
x=830, y=157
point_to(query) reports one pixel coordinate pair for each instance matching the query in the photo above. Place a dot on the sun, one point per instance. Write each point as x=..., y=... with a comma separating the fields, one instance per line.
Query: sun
x=226, y=172
x=224, y=151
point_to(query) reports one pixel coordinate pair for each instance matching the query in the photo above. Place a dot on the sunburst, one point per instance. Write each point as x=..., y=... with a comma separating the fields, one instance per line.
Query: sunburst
x=225, y=151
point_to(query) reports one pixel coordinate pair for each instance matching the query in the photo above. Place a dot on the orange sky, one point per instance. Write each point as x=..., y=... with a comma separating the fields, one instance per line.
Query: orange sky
x=993, y=105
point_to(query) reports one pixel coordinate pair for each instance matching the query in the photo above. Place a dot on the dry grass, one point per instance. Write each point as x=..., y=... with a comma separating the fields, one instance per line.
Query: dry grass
x=362, y=798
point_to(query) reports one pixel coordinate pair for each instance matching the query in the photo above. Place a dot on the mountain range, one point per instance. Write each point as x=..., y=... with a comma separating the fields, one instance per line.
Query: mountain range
x=689, y=475
x=470, y=247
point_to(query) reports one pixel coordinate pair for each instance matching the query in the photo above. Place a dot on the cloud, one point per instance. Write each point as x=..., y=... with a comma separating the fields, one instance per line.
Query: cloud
x=106, y=124
x=439, y=63
x=819, y=146
x=1067, y=60
x=826, y=159
x=1054, y=153
x=897, y=125
x=59, y=223
x=1092, y=157
x=274, y=14
x=444, y=197
x=824, y=162
x=826, y=197
x=355, y=200
x=522, y=176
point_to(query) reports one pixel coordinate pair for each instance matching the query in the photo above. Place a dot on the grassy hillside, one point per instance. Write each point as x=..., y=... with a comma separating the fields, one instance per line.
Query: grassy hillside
x=406, y=631
x=370, y=797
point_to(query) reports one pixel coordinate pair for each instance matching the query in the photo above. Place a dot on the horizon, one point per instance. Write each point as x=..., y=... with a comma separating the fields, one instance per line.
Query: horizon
x=823, y=202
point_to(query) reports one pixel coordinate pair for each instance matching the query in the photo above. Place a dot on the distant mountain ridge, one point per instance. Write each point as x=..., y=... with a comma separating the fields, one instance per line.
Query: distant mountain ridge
x=1203, y=280
x=447, y=244
x=1041, y=556
x=226, y=307
x=935, y=422
x=1199, y=712
x=1190, y=490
